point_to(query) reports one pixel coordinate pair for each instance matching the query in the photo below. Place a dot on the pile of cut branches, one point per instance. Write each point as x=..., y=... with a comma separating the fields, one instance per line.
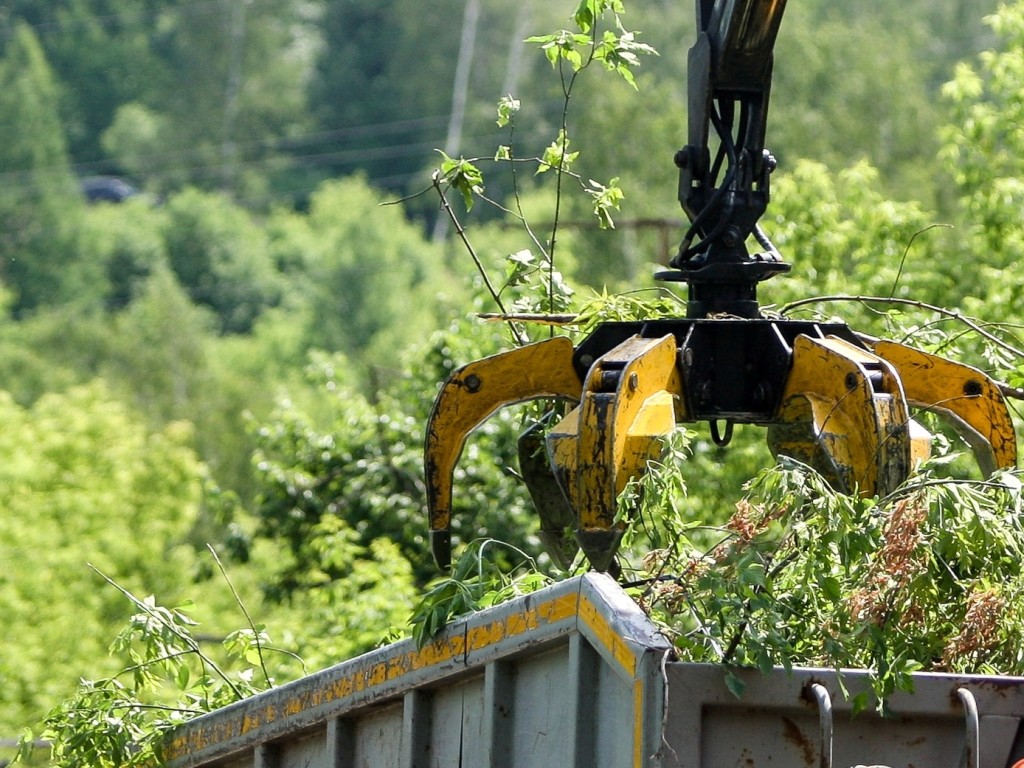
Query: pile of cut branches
x=928, y=579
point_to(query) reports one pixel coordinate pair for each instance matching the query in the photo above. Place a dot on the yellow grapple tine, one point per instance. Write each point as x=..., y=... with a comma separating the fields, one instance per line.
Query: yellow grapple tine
x=468, y=397
x=630, y=399
x=968, y=397
x=844, y=413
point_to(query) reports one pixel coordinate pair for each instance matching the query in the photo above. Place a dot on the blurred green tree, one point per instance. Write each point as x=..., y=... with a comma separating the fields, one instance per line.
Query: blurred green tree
x=83, y=481
x=221, y=258
x=335, y=452
x=372, y=282
x=983, y=141
x=40, y=205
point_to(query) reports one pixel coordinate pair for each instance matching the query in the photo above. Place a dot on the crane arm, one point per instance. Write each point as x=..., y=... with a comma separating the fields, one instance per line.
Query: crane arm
x=730, y=74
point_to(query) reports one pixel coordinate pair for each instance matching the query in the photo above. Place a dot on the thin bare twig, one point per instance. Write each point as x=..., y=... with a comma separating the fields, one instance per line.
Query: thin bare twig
x=951, y=313
x=461, y=232
x=560, y=170
x=189, y=641
x=245, y=612
x=530, y=317
x=906, y=252
x=519, y=213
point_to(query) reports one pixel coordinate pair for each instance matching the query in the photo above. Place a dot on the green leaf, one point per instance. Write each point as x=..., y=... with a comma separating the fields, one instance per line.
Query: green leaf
x=563, y=46
x=832, y=588
x=585, y=14
x=860, y=702
x=557, y=155
x=463, y=176
x=605, y=199
x=733, y=682
x=507, y=107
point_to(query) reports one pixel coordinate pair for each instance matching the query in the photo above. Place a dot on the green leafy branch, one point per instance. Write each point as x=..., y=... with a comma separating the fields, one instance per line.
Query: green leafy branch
x=618, y=54
x=930, y=579
x=465, y=177
x=168, y=678
x=571, y=52
x=618, y=51
x=478, y=580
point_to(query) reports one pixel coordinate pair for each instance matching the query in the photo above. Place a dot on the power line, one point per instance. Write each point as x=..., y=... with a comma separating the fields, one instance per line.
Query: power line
x=185, y=7
x=190, y=162
x=289, y=142
x=431, y=125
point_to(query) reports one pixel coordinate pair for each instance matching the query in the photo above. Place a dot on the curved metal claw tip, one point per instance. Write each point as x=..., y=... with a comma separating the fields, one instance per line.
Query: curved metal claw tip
x=600, y=547
x=441, y=548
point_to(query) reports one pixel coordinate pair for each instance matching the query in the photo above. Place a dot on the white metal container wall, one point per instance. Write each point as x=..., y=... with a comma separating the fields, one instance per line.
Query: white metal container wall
x=576, y=676
x=569, y=676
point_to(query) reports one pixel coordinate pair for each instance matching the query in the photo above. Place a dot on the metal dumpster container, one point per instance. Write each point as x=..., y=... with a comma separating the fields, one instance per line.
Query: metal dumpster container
x=576, y=676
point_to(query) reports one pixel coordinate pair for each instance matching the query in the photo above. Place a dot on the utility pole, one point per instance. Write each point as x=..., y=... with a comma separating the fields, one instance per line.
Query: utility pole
x=516, y=47
x=460, y=89
x=233, y=84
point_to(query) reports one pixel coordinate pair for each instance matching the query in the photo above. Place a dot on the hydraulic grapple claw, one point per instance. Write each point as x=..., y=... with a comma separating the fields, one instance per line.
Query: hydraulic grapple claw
x=967, y=397
x=557, y=517
x=844, y=413
x=631, y=399
x=828, y=398
x=441, y=548
x=838, y=406
x=469, y=396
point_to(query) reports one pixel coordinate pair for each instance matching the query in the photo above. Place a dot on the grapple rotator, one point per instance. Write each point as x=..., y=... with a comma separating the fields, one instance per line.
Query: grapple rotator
x=828, y=396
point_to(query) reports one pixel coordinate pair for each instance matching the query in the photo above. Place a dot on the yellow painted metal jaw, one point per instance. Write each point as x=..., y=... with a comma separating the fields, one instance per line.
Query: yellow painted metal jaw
x=628, y=401
x=840, y=406
x=468, y=397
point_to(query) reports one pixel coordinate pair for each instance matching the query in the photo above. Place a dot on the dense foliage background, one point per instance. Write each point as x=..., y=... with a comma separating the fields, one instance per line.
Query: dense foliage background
x=243, y=353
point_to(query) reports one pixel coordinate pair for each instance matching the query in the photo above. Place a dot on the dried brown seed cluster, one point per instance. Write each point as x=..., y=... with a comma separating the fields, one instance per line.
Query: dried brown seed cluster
x=749, y=520
x=900, y=558
x=980, y=628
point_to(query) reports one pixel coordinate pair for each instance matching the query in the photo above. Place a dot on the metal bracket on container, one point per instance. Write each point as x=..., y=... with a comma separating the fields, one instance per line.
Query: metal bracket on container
x=972, y=736
x=972, y=741
x=821, y=695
